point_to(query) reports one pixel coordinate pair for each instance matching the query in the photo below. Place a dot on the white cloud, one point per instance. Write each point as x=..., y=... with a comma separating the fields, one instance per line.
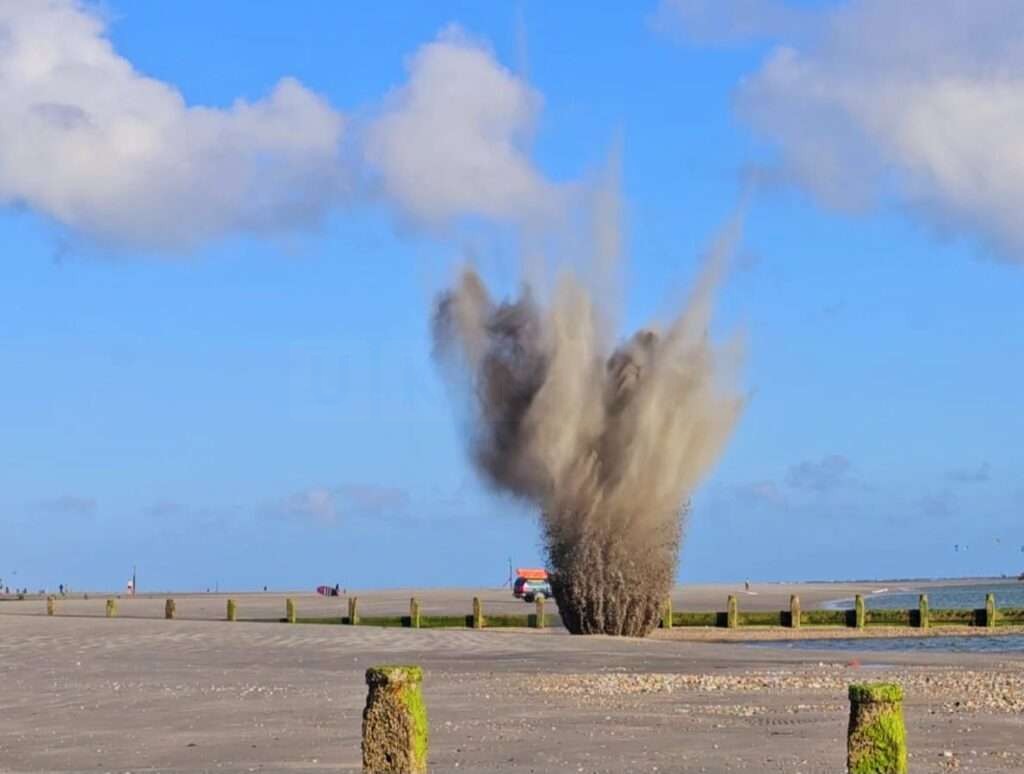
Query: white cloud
x=108, y=152
x=454, y=139
x=917, y=101
x=722, y=21
x=819, y=476
x=327, y=506
x=75, y=505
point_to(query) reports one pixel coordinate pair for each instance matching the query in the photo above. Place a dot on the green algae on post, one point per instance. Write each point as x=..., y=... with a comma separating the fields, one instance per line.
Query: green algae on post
x=232, y=611
x=732, y=614
x=289, y=610
x=877, y=736
x=794, y=611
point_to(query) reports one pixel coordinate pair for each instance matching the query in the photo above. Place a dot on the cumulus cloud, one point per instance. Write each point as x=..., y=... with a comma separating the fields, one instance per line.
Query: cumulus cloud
x=819, y=476
x=918, y=101
x=454, y=139
x=98, y=147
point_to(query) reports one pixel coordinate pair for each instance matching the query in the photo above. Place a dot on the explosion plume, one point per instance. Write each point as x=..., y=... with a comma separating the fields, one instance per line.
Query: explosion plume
x=608, y=441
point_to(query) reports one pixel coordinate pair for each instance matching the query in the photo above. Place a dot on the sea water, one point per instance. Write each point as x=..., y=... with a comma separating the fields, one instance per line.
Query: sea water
x=995, y=643
x=963, y=596
x=955, y=596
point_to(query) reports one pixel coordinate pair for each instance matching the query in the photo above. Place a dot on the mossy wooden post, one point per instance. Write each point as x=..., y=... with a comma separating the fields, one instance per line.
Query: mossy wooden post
x=877, y=738
x=732, y=613
x=666, y=614
x=289, y=610
x=794, y=611
x=990, y=610
x=232, y=612
x=111, y=608
x=414, y=613
x=859, y=612
x=353, y=610
x=539, y=620
x=169, y=609
x=51, y=606
x=478, y=614
x=922, y=612
x=395, y=726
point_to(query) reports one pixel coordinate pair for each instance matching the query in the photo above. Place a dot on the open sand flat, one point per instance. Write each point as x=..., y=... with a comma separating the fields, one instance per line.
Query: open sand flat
x=90, y=694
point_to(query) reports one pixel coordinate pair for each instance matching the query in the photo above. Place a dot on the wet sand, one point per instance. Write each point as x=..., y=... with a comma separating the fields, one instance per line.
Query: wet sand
x=85, y=693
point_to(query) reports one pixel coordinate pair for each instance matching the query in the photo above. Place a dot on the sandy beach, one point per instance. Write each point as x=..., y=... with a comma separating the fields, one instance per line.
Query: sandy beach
x=81, y=692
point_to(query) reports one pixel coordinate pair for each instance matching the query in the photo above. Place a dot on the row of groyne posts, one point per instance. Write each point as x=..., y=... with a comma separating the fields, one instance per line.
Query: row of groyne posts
x=732, y=618
x=415, y=619
x=858, y=617
x=396, y=730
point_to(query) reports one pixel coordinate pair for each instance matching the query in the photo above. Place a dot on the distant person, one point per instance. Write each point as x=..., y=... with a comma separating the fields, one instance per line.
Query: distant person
x=61, y=589
x=337, y=589
x=746, y=585
x=264, y=588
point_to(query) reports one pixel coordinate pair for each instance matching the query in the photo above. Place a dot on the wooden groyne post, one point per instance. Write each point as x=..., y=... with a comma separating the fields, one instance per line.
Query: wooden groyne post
x=859, y=612
x=51, y=605
x=923, y=613
x=877, y=737
x=794, y=611
x=353, y=610
x=732, y=612
x=111, y=608
x=414, y=613
x=232, y=611
x=395, y=729
x=478, y=613
x=169, y=609
x=666, y=614
x=990, y=610
x=539, y=620
x=289, y=610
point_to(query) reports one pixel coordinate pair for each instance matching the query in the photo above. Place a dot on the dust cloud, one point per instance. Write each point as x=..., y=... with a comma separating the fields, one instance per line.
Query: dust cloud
x=608, y=441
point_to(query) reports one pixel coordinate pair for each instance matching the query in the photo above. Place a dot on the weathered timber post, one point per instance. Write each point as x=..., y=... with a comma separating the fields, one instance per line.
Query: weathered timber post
x=169, y=609
x=923, y=613
x=877, y=738
x=478, y=614
x=232, y=612
x=51, y=606
x=666, y=614
x=859, y=612
x=414, y=613
x=111, y=608
x=732, y=613
x=990, y=610
x=395, y=727
x=289, y=610
x=794, y=611
x=353, y=610
x=540, y=621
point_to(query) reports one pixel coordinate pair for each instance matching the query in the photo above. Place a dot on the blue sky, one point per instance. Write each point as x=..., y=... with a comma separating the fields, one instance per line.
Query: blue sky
x=214, y=324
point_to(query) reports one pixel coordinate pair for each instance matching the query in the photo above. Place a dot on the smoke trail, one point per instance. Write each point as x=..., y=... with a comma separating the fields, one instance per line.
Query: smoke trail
x=607, y=441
